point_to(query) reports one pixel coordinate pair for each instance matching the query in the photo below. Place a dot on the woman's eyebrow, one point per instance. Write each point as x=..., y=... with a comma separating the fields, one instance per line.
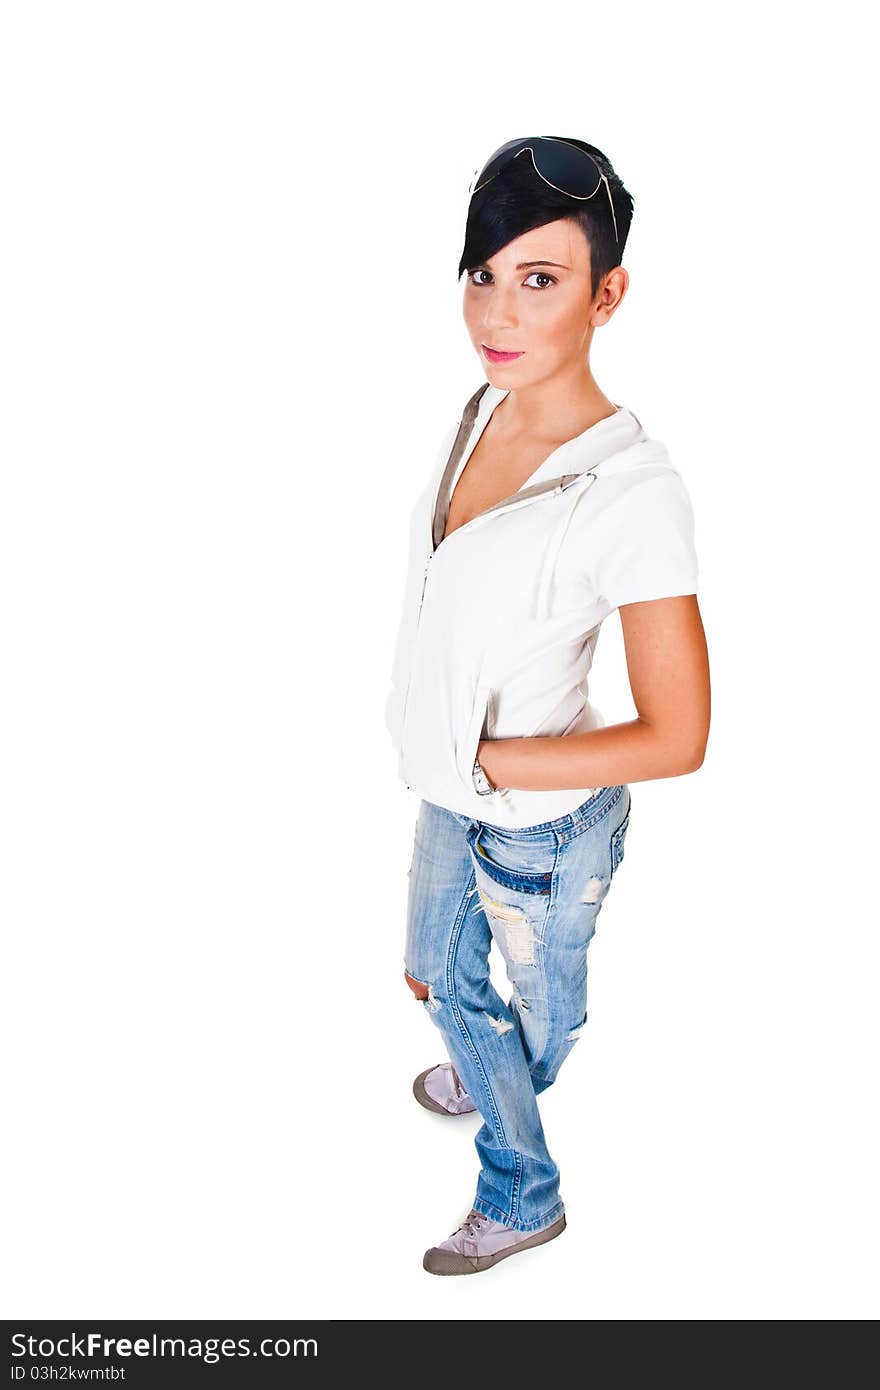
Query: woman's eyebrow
x=523, y=265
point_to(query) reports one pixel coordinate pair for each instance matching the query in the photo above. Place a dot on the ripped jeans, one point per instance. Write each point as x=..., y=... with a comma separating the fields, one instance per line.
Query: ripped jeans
x=537, y=892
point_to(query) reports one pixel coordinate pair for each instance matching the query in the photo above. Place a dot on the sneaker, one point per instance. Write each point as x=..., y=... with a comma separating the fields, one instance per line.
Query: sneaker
x=480, y=1243
x=440, y=1089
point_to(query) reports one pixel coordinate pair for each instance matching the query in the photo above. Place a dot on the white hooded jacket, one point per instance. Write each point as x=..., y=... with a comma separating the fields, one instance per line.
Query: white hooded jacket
x=500, y=620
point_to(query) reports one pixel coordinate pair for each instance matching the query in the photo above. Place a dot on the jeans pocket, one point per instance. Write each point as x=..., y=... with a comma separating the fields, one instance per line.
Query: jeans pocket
x=525, y=865
x=617, y=842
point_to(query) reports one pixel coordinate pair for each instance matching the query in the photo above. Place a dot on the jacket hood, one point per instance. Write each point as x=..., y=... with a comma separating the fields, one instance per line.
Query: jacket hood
x=618, y=444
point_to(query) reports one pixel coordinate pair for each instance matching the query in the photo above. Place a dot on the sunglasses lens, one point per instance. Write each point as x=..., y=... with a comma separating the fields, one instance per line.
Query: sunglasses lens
x=567, y=167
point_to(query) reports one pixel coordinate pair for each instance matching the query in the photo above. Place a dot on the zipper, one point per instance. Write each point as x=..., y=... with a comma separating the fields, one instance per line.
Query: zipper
x=424, y=582
x=549, y=488
x=516, y=499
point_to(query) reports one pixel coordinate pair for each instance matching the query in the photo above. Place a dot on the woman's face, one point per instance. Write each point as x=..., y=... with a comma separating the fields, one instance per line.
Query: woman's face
x=533, y=298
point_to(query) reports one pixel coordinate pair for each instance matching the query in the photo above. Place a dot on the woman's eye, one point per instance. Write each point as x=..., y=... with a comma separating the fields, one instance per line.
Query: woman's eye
x=535, y=275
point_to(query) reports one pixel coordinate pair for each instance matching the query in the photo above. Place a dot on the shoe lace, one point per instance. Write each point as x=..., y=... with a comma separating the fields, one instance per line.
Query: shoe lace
x=456, y=1081
x=472, y=1222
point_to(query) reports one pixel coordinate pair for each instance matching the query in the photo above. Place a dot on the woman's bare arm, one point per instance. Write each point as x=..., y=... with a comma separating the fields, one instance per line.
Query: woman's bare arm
x=668, y=664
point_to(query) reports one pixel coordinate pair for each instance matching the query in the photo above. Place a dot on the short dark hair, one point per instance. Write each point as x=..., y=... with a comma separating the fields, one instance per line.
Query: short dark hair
x=518, y=199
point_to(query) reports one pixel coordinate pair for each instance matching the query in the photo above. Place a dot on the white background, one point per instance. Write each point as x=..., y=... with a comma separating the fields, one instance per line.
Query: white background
x=232, y=340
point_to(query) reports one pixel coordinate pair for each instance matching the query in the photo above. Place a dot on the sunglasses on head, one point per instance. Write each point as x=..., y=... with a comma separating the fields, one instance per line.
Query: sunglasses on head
x=563, y=166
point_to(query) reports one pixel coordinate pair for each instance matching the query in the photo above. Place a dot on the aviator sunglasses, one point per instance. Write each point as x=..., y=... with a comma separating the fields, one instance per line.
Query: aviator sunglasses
x=563, y=166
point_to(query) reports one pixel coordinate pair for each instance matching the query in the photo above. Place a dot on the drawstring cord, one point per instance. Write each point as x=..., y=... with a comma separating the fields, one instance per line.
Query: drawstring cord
x=548, y=566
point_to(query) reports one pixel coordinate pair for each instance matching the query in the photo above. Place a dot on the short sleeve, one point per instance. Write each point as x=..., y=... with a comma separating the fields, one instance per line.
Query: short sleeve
x=646, y=546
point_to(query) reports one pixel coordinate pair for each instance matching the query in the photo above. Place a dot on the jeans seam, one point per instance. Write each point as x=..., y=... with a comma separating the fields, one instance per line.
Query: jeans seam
x=481, y=1204
x=452, y=994
x=541, y=953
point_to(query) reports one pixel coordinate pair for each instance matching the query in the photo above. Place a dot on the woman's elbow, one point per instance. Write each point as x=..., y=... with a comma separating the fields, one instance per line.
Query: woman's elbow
x=696, y=753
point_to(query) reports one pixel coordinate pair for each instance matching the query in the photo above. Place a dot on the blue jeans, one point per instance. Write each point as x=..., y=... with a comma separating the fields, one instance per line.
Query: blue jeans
x=537, y=892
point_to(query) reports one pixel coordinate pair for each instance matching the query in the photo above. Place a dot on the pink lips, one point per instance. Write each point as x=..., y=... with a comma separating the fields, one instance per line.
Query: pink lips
x=494, y=356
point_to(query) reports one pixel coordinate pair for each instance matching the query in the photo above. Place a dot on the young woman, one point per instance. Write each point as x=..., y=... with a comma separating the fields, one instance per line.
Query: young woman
x=549, y=508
